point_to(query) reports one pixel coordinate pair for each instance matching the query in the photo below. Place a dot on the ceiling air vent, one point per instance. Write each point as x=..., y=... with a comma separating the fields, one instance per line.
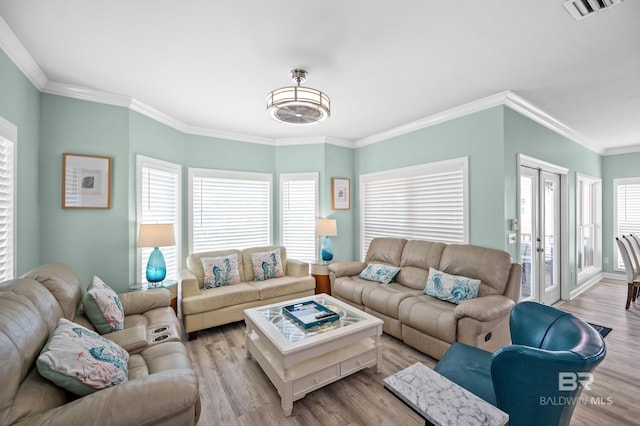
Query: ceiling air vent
x=580, y=9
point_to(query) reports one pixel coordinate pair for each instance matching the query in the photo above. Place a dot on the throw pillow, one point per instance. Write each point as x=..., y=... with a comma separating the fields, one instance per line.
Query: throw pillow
x=452, y=288
x=267, y=265
x=103, y=308
x=381, y=273
x=81, y=361
x=219, y=271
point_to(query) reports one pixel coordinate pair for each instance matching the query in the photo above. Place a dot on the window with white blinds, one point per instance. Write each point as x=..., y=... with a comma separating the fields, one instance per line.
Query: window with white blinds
x=626, y=210
x=159, y=201
x=298, y=213
x=425, y=202
x=7, y=212
x=229, y=209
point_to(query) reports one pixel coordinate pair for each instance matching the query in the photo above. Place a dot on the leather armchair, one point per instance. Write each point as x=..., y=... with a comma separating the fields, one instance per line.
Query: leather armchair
x=539, y=377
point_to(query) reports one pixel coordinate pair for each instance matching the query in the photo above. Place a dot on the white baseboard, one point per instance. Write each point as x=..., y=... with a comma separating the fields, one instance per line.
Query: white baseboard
x=586, y=285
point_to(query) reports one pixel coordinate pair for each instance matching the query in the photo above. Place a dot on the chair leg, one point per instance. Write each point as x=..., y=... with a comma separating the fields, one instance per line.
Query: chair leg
x=634, y=293
x=630, y=291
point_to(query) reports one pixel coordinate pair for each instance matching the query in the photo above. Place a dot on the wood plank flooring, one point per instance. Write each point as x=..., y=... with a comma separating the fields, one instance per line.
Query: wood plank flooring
x=235, y=391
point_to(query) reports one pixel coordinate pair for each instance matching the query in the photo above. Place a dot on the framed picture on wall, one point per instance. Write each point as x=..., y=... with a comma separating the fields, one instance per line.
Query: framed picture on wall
x=86, y=181
x=340, y=193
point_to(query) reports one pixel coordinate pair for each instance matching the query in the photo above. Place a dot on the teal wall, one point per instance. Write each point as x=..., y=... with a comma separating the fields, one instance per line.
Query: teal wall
x=20, y=105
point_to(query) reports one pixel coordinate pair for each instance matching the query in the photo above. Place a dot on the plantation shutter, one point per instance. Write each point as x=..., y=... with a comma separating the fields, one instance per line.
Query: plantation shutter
x=627, y=209
x=7, y=173
x=426, y=202
x=299, y=200
x=160, y=202
x=229, y=209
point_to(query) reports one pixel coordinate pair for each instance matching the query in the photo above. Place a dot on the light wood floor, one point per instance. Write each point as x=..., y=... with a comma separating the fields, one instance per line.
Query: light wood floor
x=235, y=391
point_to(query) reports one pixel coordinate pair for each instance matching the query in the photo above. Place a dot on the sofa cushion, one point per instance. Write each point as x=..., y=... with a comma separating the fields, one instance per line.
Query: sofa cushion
x=81, y=360
x=221, y=270
x=417, y=257
x=386, y=299
x=277, y=287
x=103, y=308
x=267, y=265
x=219, y=297
x=385, y=250
x=351, y=288
x=247, y=264
x=194, y=263
x=380, y=273
x=451, y=288
x=430, y=316
x=492, y=267
x=62, y=282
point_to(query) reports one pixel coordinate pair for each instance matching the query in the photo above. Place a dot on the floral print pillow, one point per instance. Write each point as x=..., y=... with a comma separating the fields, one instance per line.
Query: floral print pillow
x=220, y=271
x=81, y=360
x=381, y=273
x=452, y=288
x=267, y=265
x=103, y=308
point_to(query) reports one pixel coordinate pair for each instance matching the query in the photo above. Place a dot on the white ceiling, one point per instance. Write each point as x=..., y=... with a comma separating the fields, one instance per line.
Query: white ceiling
x=210, y=63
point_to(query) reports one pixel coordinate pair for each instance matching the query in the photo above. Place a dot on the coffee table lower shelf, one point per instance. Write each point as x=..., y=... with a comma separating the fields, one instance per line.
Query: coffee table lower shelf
x=306, y=376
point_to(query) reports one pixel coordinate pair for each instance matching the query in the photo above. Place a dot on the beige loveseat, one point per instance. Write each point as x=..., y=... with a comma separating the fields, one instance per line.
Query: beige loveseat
x=209, y=307
x=426, y=323
x=162, y=388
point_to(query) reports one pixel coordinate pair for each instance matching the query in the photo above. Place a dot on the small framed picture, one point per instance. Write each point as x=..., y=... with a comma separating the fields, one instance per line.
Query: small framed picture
x=340, y=193
x=86, y=181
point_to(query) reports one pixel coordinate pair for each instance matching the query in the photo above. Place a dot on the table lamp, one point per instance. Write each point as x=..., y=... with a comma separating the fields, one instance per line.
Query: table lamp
x=326, y=228
x=156, y=235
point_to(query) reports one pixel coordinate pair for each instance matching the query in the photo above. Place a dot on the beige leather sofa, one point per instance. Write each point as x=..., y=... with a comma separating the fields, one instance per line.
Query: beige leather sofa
x=162, y=388
x=204, y=308
x=423, y=322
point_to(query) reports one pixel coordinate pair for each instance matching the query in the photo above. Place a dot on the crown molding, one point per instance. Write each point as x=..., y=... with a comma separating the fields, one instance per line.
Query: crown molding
x=622, y=150
x=20, y=56
x=221, y=134
x=432, y=120
x=314, y=140
x=85, y=94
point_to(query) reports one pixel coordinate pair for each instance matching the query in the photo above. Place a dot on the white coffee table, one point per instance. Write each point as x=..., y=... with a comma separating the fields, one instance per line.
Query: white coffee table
x=298, y=361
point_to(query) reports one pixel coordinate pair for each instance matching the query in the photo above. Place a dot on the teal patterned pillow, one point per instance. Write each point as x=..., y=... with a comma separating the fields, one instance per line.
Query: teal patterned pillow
x=452, y=288
x=103, y=308
x=381, y=273
x=81, y=361
x=220, y=271
x=267, y=265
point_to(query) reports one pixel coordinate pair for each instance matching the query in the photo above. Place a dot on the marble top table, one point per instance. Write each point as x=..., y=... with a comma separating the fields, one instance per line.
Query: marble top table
x=439, y=400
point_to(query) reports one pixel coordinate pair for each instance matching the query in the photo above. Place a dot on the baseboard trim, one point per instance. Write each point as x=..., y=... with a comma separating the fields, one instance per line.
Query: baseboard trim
x=586, y=285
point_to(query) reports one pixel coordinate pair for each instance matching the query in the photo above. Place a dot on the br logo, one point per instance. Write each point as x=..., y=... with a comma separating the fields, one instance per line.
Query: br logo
x=569, y=381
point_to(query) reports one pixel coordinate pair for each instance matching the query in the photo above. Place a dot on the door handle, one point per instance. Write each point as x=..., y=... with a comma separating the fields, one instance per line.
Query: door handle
x=540, y=250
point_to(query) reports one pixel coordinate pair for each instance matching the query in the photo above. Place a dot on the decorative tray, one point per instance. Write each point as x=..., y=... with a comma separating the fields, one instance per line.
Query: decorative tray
x=309, y=314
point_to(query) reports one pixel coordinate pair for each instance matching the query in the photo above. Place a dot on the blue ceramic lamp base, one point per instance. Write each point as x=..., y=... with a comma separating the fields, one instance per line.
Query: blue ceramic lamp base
x=326, y=250
x=156, y=267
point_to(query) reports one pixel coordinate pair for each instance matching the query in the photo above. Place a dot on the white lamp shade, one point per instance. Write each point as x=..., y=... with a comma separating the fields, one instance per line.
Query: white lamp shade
x=326, y=227
x=156, y=235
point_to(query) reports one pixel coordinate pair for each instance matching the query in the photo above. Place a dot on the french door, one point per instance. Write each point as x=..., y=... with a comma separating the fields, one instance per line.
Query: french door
x=540, y=235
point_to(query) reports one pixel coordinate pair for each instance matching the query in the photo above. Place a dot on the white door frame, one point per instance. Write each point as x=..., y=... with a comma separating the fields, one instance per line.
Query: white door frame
x=525, y=160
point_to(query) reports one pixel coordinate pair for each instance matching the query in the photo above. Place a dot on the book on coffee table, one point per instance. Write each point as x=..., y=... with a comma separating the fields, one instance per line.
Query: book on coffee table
x=309, y=314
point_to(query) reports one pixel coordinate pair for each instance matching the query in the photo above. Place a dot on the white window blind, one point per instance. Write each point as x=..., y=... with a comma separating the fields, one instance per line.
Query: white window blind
x=7, y=219
x=229, y=209
x=298, y=213
x=426, y=202
x=159, y=201
x=588, y=224
x=626, y=210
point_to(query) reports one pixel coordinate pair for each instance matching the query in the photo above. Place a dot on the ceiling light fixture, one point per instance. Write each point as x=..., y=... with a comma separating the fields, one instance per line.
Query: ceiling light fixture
x=297, y=104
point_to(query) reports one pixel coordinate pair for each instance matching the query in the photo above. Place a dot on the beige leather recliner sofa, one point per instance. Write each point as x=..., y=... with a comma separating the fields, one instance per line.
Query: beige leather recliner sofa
x=209, y=307
x=423, y=322
x=162, y=387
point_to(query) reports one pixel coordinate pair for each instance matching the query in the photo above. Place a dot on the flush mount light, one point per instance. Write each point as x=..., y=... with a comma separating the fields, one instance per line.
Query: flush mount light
x=297, y=104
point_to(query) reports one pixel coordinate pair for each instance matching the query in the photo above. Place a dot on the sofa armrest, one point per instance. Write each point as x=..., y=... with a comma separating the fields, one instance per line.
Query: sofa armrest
x=297, y=268
x=485, y=308
x=132, y=339
x=139, y=302
x=156, y=398
x=188, y=284
x=341, y=269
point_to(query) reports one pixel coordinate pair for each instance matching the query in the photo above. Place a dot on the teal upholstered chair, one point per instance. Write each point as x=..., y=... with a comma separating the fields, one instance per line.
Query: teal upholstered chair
x=537, y=379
